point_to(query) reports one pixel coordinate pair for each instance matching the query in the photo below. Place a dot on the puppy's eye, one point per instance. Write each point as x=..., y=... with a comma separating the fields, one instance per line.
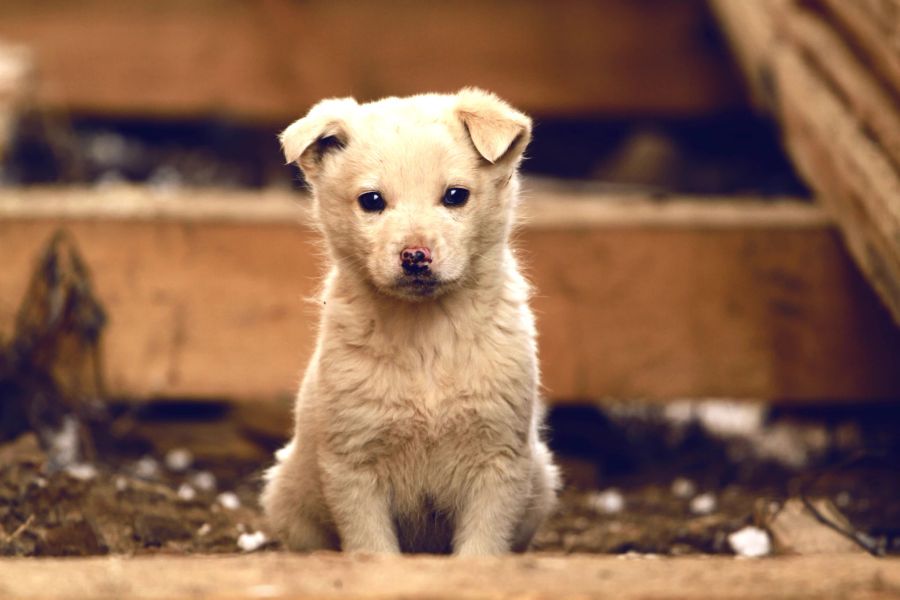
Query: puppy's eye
x=371, y=202
x=455, y=196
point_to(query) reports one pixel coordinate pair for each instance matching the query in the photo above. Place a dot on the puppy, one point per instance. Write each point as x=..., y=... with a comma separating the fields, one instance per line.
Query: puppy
x=418, y=420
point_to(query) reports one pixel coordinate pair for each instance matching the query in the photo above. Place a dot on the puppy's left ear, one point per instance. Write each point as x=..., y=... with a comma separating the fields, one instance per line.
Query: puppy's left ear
x=498, y=131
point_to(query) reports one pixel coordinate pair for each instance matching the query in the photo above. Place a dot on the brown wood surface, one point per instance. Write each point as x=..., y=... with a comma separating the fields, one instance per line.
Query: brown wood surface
x=680, y=298
x=840, y=124
x=873, y=26
x=270, y=60
x=533, y=576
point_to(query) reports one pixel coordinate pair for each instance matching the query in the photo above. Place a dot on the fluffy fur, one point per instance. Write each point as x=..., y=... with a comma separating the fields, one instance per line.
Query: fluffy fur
x=418, y=419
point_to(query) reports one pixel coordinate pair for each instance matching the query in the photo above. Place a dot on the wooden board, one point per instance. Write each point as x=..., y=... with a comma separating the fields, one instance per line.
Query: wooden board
x=270, y=60
x=327, y=575
x=840, y=123
x=668, y=299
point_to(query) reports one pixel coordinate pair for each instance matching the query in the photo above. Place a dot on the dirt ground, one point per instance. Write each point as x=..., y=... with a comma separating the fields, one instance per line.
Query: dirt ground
x=182, y=485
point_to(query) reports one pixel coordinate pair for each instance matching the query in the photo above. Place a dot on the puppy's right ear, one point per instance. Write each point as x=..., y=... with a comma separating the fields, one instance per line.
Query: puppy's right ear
x=322, y=131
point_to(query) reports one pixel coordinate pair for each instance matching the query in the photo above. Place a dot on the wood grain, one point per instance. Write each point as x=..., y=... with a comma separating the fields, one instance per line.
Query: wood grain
x=270, y=60
x=839, y=121
x=361, y=576
x=634, y=298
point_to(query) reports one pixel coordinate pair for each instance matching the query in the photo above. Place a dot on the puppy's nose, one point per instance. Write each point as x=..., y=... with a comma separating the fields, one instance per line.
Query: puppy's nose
x=415, y=255
x=415, y=260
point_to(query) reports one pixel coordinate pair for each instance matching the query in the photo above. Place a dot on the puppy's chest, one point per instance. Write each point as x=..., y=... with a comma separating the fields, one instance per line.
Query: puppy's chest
x=411, y=403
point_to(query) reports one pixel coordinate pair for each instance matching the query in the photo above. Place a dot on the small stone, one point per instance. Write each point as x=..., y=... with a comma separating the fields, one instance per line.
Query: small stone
x=248, y=542
x=146, y=468
x=229, y=500
x=204, y=529
x=703, y=504
x=683, y=488
x=179, y=460
x=203, y=481
x=82, y=471
x=751, y=542
x=186, y=492
x=608, y=501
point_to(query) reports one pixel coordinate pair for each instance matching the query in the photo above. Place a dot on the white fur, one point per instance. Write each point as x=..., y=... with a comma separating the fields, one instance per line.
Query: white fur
x=418, y=420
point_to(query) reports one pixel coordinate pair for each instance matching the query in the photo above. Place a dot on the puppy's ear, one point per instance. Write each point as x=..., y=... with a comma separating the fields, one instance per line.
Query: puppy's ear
x=498, y=131
x=323, y=130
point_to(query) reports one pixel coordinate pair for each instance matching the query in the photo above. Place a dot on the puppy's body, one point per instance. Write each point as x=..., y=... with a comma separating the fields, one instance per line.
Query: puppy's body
x=417, y=422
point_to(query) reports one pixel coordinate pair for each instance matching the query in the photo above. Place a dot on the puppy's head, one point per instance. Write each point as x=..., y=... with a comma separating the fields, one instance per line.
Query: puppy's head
x=415, y=195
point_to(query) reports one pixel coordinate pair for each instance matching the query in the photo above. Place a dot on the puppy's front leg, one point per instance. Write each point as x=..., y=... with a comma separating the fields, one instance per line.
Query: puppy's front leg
x=491, y=510
x=360, y=506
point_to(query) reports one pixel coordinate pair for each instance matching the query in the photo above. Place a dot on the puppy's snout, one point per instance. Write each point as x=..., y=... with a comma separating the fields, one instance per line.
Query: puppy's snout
x=415, y=259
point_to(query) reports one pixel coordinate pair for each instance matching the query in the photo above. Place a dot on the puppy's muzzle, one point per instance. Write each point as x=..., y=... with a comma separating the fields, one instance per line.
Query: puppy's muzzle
x=415, y=260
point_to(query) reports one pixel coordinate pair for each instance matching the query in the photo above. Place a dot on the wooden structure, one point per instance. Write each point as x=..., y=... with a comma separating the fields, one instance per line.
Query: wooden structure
x=361, y=577
x=676, y=298
x=270, y=60
x=829, y=70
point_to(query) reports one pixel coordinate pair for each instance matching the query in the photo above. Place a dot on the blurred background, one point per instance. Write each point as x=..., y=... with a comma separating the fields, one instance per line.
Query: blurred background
x=724, y=359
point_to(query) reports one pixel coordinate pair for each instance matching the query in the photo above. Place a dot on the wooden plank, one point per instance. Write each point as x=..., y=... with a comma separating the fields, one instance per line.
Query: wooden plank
x=676, y=298
x=360, y=576
x=752, y=34
x=271, y=60
x=863, y=93
x=843, y=161
x=875, y=29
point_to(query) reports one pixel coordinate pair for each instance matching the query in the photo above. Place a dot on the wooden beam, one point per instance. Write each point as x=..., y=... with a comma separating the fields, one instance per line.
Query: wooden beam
x=362, y=576
x=271, y=60
x=874, y=28
x=675, y=298
x=840, y=125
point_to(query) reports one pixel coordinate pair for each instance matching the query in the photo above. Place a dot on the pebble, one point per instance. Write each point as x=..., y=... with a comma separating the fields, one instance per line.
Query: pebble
x=229, y=500
x=203, y=481
x=703, y=504
x=750, y=542
x=146, y=468
x=248, y=542
x=683, y=488
x=204, y=529
x=608, y=501
x=186, y=492
x=82, y=471
x=179, y=460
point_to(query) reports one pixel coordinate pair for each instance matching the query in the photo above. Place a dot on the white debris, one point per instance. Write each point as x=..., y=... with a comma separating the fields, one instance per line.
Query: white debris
x=204, y=529
x=608, y=501
x=82, y=471
x=121, y=484
x=64, y=443
x=40, y=482
x=179, y=460
x=703, y=504
x=146, y=468
x=186, y=492
x=683, y=488
x=229, y=500
x=750, y=542
x=248, y=542
x=203, y=481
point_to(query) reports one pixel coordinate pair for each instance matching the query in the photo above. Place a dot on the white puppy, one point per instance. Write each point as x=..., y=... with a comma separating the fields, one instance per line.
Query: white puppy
x=418, y=420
